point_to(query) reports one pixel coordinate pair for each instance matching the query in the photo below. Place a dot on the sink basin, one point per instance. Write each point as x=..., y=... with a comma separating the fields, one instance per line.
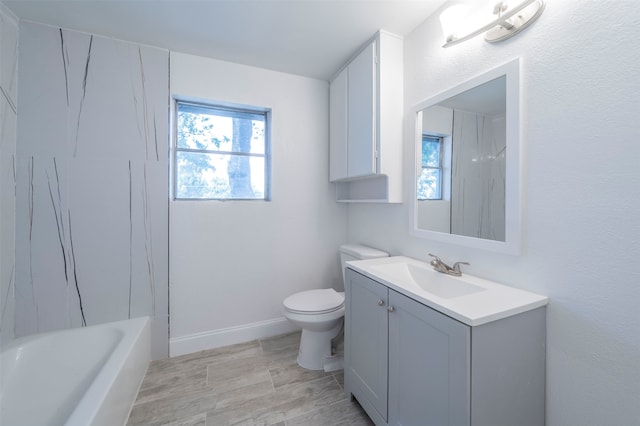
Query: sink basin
x=468, y=299
x=425, y=278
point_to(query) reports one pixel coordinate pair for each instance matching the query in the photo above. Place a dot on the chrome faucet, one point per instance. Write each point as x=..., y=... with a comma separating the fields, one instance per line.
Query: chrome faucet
x=440, y=266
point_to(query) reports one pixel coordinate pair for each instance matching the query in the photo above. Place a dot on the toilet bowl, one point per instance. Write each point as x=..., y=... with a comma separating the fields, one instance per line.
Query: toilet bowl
x=320, y=313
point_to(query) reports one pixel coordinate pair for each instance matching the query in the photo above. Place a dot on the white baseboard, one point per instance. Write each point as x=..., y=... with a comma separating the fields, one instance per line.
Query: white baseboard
x=229, y=336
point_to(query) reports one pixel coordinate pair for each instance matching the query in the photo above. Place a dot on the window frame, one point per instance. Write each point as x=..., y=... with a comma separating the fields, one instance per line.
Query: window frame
x=440, y=168
x=229, y=110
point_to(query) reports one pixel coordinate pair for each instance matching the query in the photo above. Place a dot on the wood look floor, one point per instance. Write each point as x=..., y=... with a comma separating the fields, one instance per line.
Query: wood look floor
x=255, y=383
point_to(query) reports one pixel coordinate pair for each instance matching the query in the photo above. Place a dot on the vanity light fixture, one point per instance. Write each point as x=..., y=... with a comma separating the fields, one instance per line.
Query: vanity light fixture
x=510, y=21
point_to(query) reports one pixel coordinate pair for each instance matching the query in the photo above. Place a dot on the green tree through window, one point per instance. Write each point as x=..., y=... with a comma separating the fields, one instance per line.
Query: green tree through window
x=221, y=153
x=430, y=179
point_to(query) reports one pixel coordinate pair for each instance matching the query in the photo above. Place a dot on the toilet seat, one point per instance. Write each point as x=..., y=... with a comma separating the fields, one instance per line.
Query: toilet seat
x=314, y=302
x=319, y=314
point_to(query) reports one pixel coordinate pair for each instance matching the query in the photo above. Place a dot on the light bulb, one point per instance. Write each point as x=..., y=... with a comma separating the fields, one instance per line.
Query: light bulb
x=453, y=20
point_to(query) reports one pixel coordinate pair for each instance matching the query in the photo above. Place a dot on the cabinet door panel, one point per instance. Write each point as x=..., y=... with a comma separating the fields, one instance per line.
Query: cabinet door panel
x=366, y=338
x=429, y=355
x=362, y=112
x=338, y=127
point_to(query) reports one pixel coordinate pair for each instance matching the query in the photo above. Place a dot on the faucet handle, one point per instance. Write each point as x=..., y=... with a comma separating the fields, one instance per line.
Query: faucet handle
x=456, y=266
x=436, y=262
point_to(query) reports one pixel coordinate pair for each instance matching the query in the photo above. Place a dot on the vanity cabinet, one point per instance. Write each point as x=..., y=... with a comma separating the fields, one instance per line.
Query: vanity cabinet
x=428, y=365
x=365, y=124
x=408, y=364
x=367, y=335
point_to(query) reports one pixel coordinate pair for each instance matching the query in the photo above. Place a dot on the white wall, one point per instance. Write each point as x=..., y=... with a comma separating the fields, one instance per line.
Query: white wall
x=8, y=124
x=581, y=242
x=434, y=215
x=233, y=263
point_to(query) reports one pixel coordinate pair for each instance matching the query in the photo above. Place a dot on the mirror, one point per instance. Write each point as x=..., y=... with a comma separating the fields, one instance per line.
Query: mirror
x=466, y=185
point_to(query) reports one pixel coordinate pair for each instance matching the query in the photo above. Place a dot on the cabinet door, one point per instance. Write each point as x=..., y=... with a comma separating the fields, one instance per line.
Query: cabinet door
x=338, y=127
x=366, y=343
x=361, y=160
x=429, y=363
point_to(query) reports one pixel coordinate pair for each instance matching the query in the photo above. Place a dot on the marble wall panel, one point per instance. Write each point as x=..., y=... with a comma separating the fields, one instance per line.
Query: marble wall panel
x=9, y=59
x=92, y=182
x=43, y=128
x=478, y=176
x=8, y=123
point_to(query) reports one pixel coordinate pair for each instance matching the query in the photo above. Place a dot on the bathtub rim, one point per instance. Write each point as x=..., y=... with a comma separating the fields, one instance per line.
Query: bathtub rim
x=111, y=395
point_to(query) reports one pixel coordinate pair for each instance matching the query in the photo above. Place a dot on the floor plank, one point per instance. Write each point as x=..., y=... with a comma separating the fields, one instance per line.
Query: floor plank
x=254, y=383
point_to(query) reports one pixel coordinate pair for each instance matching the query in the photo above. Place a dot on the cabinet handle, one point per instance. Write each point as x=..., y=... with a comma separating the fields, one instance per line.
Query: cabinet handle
x=380, y=302
x=390, y=309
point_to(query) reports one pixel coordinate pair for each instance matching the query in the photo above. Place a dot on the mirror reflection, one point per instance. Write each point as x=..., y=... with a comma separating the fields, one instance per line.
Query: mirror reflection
x=461, y=164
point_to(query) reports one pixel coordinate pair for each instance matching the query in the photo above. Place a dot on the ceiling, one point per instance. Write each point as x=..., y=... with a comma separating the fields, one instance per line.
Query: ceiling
x=488, y=98
x=313, y=38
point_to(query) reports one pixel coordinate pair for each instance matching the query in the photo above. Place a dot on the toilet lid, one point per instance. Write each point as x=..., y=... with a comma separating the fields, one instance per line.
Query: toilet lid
x=314, y=301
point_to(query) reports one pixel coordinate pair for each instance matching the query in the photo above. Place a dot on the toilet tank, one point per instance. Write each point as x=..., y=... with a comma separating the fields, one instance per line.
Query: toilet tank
x=357, y=252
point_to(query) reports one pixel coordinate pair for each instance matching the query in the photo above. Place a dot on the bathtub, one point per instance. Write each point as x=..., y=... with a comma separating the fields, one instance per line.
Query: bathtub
x=76, y=377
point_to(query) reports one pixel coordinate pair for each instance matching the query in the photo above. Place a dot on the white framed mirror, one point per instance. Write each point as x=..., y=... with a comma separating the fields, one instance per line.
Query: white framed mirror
x=467, y=163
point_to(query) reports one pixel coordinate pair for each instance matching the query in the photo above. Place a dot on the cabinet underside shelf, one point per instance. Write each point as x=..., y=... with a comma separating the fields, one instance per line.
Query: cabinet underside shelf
x=373, y=189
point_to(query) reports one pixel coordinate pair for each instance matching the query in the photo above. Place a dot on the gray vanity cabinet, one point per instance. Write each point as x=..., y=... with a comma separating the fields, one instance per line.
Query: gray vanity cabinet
x=408, y=364
x=405, y=362
x=367, y=331
x=429, y=356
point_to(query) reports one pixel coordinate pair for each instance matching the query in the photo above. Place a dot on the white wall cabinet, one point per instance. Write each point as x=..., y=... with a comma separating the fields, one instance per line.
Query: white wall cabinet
x=365, y=119
x=408, y=364
x=352, y=117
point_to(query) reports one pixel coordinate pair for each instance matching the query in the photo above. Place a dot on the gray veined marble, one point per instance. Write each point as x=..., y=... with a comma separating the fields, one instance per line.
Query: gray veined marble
x=8, y=128
x=8, y=64
x=478, y=178
x=91, y=182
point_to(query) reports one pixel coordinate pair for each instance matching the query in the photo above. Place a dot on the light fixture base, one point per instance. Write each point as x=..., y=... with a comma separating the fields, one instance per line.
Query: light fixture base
x=516, y=23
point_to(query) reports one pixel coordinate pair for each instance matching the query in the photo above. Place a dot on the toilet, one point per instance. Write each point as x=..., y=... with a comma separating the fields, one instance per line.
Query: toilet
x=320, y=313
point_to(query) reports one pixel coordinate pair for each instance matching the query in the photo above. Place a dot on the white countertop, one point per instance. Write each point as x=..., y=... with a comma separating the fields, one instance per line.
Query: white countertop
x=495, y=301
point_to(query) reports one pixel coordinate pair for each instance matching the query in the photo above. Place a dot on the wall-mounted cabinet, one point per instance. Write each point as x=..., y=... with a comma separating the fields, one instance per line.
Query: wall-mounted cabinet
x=409, y=364
x=365, y=119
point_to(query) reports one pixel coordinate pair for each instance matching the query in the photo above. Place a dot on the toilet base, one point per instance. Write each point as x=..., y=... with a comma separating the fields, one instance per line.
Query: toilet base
x=315, y=346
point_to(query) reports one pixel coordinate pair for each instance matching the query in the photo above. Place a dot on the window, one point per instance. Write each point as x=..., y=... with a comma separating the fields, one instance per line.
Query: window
x=221, y=153
x=430, y=179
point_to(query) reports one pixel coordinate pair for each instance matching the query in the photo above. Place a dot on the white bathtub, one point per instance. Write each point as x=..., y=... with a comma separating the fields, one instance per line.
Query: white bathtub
x=77, y=377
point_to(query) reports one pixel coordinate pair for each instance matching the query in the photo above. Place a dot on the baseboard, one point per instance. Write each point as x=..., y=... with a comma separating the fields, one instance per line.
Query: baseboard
x=229, y=336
